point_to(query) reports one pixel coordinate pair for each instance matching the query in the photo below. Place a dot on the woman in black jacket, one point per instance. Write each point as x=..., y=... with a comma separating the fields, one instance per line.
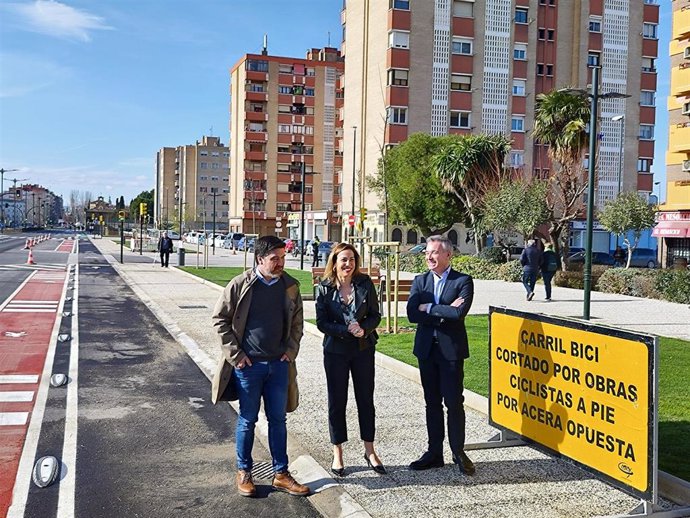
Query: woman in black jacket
x=347, y=313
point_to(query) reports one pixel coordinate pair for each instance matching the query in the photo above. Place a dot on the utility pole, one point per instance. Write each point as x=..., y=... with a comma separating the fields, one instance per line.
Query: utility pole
x=213, y=238
x=354, y=176
x=14, y=198
x=2, y=192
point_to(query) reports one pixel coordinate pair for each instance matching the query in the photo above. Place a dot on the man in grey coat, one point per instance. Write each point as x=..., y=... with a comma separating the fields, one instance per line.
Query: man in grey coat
x=259, y=317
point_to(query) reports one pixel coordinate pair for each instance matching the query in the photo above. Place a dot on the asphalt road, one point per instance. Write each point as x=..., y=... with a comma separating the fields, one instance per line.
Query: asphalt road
x=138, y=436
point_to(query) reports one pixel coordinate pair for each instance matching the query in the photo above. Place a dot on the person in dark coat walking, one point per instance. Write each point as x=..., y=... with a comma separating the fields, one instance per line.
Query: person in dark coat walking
x=347, y=313
x=165, y=248
x=315, y=252
x=549, y=267
x=531, y=260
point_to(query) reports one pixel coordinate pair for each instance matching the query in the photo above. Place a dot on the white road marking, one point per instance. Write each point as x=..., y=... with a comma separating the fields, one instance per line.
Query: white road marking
x=16, y=396
x=13, y=418
x=10, y=310
x=18, y=378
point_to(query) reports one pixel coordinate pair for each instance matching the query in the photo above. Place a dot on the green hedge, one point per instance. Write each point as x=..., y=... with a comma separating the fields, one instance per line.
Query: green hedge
x=671, y=285
x=574, y=278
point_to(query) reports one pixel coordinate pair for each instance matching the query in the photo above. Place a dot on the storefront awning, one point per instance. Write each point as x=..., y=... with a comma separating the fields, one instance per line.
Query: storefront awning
x=678, y=229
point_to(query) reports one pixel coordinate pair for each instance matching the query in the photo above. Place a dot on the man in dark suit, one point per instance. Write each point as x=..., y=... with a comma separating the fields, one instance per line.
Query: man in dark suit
x=438, y=303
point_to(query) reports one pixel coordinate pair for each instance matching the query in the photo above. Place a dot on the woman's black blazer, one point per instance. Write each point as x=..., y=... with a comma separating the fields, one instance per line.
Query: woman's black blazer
x=331, y=321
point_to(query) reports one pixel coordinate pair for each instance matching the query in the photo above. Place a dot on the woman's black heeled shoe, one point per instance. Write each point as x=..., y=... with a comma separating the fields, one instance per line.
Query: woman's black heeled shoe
x=338, y=472
x=377, y=469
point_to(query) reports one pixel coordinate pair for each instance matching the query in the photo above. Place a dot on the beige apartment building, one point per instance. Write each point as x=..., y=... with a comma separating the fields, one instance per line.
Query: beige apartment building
x=284, y=128
x=673, y=228
x=189, y=179
x=476, y=66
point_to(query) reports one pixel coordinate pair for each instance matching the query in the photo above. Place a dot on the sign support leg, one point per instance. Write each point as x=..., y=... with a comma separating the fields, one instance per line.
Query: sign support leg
x=646, y=508
x=502, y=439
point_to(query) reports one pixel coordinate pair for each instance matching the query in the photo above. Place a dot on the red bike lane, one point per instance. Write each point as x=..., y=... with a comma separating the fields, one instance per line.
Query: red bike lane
x=27, y=320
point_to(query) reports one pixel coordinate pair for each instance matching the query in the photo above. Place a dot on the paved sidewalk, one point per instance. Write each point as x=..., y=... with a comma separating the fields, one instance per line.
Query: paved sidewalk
x=516, y=481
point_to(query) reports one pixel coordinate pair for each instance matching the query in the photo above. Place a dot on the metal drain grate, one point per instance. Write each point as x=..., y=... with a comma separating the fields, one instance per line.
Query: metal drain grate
x=263, y=470
x=193, y=307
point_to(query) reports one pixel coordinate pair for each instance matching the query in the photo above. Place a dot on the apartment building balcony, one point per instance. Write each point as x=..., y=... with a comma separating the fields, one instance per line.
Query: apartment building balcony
x=255, y=155
x=255, y=136
x=463, y=27
x=256, y=195
x=398, y=19
x=645, y=182
x=255, y=116
x=254, y=75
x=255, y=175
x=679, y=138
x=680, y=79
x=681, y=23
x=258, y=214
x=398, y=58
x=256, y=96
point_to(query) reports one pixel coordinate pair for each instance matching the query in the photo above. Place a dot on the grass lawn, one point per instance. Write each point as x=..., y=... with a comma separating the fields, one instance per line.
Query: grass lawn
x=674, y=389
x=221, y=275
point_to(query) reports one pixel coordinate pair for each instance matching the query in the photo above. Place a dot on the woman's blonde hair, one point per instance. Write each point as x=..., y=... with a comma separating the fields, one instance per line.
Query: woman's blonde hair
x=330, y=273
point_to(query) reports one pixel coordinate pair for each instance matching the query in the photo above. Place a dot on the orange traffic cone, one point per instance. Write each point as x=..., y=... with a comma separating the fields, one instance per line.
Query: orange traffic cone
x=26, y=245
x=30, y=260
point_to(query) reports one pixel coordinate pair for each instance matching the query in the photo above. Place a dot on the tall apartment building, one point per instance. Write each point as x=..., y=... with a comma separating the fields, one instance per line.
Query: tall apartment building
x=673, y=228
x=188, y=179
x=476, y=66
x=283, y=123
x=41, y=207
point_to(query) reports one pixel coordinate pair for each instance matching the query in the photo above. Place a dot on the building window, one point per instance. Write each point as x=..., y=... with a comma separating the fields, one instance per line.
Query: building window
x=647, y=98
x=520, y=52
x=644, y=165
x=310, y=72
x=540, y=69
x=283, y=128
x=517, y=123
x=397, y=77
x=284, y=89
x=214, y=165
x=214, y=178
x=459, y=119
x=400, y=4
x=649, y=31
x=204, y=165
x=399, y=40
x=460, y=82
x=397, y=115
x=595, y=24
x=520, y=15
x=203, y=178
x=309, y=92
x=226, y=154
x=284, y=68
x=593, y=59
x=648, y=64
x=519, y=87
x=646, y=131
x=517, y=159
x=463, y=9
x=541, y=34
x=215, y=153
x=549, y=70
x=203, y=153
x=256, y=65
x=550, y=34
x=461, y=46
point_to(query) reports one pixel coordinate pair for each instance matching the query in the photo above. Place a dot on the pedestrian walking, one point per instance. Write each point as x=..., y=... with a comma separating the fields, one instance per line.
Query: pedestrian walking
x=531, y=260
x=549, y=267
x=165, y=248
x=315, y=252
x=347, y=313
x=439, y=301
x=259, y=318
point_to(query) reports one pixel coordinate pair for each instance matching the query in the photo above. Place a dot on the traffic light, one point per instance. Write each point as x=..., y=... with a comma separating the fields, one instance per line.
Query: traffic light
x=363, y=213
x=18, y=194
x=143, y=209
x=121, y=215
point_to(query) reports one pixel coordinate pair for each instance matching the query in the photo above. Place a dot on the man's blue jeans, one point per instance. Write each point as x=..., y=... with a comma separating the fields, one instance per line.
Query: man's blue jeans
x=270, y=380
x=529, y=280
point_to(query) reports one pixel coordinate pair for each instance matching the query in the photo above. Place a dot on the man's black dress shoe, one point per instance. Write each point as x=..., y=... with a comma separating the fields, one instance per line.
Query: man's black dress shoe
x=338, y=472
x=464, y=463
x=377, y=468
x=427, y=461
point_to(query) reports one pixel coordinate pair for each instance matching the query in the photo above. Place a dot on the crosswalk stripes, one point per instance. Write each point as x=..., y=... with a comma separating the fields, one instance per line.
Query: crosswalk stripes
x=16, y=396
x=15, y=267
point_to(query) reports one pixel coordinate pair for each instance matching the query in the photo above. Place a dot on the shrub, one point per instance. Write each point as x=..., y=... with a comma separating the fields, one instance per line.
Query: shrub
x=674, y=285
x=575, y=278
x=415, y=263
x=475, y=266
x=510, y=272
x=633, y=282
x=493, y=254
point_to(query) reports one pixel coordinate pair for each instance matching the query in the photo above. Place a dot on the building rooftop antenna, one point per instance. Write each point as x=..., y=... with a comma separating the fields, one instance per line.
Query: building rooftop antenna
x=264, y=51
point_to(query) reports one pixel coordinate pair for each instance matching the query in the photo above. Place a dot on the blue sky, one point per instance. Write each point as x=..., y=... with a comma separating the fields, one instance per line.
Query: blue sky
x=90, y=90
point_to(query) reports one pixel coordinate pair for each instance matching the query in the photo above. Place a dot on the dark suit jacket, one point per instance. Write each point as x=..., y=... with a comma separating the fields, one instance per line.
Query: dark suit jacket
x=448, y=321
x=331, y=321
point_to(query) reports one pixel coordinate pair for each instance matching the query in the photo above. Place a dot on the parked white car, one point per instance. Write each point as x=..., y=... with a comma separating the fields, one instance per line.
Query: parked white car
x=219, y=240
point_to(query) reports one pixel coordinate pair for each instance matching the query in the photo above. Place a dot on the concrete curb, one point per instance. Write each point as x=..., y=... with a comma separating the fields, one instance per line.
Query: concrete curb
x=328, y=497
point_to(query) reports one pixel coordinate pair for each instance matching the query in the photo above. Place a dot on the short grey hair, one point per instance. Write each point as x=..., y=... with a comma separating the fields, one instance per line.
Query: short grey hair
x=531, y=242
x=445, y=242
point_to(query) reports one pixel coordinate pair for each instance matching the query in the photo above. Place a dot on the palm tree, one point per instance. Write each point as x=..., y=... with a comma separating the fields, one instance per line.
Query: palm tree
x=560, y=121
x=471, y=166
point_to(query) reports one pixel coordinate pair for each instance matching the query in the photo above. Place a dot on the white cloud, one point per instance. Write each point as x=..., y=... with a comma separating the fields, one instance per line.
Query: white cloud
x=58, y=19
x=24, y=73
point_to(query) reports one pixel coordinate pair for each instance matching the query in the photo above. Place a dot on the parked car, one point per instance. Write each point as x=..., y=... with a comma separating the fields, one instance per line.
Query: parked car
x=235, y=238
x=597, y=258
x=643, y=258
x=421, y=248
x=219, y=240
x=245, y=243
x=324, y=249
x=194, y=237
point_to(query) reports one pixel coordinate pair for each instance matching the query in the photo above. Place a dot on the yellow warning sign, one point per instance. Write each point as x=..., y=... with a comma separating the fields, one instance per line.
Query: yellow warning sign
x=582, y=391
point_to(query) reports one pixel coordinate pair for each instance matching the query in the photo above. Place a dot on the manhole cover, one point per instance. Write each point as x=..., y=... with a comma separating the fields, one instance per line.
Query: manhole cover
x=193, y=307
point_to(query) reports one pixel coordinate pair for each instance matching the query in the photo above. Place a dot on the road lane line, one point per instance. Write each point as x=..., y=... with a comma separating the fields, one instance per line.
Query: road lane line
x=67, y=495
x=18, y=378
x=28, y=310
x=13, y=418
x=26, y=462
x=16, y=396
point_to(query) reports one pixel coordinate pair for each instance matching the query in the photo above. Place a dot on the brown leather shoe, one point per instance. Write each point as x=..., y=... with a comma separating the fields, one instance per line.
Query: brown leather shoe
x=245, y=484
x=285, y=482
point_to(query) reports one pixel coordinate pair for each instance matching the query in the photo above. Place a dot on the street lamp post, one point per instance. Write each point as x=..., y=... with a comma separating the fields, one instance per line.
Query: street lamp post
x=2, y=192
x=620, y=118
x=354, y=177
x=213, y=234
x=303, y=248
